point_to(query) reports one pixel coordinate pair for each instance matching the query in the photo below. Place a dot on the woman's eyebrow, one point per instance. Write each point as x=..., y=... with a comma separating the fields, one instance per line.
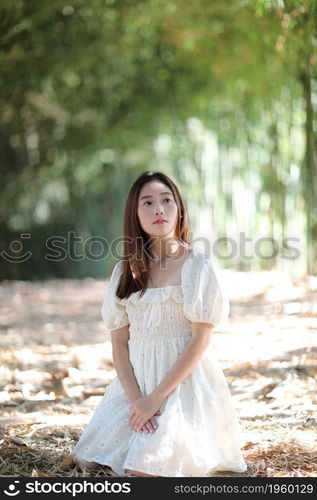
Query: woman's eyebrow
x=150, y=195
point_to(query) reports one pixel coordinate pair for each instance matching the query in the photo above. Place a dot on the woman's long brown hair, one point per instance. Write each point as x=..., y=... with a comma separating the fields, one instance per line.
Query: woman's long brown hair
x=137, y=244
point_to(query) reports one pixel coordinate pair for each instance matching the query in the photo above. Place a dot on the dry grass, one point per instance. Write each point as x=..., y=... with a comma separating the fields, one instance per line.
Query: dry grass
x=56, y=361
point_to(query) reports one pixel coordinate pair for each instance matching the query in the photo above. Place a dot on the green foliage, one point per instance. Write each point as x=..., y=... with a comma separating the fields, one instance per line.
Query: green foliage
x=88, y=89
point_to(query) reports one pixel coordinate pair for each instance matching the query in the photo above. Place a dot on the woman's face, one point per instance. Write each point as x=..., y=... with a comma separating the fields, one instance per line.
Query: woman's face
x=156, y=201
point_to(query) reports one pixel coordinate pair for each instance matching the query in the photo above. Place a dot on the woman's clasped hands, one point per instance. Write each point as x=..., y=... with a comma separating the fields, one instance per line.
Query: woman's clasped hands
x=142, y=413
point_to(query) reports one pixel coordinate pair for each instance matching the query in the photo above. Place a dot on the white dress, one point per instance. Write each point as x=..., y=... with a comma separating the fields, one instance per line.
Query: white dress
x=198, y=429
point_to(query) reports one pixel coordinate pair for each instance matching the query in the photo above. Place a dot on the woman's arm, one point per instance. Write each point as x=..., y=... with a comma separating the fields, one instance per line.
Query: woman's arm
x=182, y=368
x=125, y=372
x=122, y=363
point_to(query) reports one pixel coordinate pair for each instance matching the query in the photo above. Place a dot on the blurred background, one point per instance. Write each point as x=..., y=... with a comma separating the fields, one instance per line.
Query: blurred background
x=222, y=97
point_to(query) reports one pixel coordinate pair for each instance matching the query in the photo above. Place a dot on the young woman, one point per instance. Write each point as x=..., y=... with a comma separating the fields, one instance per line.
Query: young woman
x=169, y=411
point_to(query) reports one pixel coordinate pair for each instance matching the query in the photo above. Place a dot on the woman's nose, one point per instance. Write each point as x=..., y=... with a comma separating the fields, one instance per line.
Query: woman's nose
x=159, y=210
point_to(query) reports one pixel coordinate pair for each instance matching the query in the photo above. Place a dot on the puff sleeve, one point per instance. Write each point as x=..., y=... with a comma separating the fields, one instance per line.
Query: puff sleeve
x=113, y=311
x=205, y=300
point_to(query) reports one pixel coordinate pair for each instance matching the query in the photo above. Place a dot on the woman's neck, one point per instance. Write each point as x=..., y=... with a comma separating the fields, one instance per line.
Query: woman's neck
x=164, y=250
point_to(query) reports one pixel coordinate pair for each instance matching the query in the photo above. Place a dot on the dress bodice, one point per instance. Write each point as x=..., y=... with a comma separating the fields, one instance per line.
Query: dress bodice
x=169, y=310
x=158, y=314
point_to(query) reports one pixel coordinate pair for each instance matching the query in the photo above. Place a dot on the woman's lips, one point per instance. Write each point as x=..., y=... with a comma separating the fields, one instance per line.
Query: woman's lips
x=160, y=222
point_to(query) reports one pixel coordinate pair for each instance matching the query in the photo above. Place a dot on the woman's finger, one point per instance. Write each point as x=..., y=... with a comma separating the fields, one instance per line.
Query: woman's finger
x=137, y=421
x=146, y=428
x=134, y=420
x=140, y=424
x=150, y=426
x=154, y=423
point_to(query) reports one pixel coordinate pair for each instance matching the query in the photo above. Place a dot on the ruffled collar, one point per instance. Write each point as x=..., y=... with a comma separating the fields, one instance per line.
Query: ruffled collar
x=156, y=295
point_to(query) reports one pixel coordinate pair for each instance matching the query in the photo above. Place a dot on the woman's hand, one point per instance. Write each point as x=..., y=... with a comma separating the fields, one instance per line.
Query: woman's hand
x=151, y=425
x=143, y=410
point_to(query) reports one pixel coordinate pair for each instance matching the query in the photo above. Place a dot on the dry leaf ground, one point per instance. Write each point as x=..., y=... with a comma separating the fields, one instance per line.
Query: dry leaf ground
x=56, y=363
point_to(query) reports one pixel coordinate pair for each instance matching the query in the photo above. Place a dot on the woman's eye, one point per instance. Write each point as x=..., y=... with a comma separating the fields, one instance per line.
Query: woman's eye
x=163, y=200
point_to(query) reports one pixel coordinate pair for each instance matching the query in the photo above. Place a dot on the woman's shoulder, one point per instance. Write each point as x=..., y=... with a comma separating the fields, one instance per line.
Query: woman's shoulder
x=204, y=300
x=115, y=272
x=117, y=267
x=198, y=259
